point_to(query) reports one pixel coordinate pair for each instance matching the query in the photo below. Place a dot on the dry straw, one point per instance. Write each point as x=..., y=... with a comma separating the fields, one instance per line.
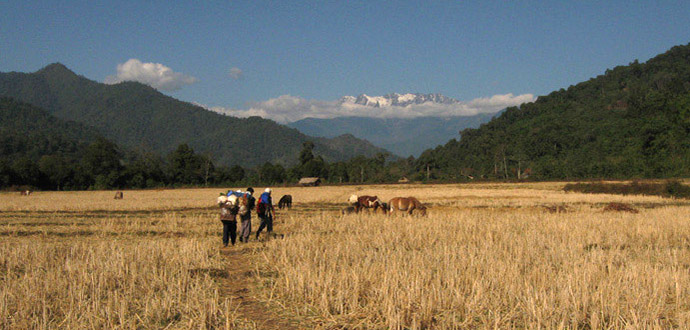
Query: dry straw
x=487, y=256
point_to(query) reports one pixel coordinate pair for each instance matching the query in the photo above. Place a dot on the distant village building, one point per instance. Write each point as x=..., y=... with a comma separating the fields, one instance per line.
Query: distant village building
x=404, y=180
x=311, y=181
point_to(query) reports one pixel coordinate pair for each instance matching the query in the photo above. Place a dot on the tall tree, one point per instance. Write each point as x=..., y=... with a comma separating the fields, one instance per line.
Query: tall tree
x=271, y=174
x=307, y=152
x=26, y=171
x=102, y=162
x=56, y=168
x=185, y=166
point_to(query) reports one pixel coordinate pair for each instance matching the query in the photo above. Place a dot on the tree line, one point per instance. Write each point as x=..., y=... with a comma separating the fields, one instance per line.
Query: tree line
x=102, y=165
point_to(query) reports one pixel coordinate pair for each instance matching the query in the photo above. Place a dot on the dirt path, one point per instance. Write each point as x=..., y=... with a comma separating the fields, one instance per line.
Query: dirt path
x=240, y=287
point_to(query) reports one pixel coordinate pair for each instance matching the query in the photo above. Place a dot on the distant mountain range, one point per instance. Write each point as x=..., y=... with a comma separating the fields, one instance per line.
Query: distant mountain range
x=402, y=136
x=395, y=99
x=137, y=116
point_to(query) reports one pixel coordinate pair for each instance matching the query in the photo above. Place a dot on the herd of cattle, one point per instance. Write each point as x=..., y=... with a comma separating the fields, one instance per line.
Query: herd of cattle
x=358, y=203
x=396, y=204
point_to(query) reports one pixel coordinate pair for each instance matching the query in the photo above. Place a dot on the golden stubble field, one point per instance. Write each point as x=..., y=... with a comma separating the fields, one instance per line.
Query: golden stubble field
x=521, y=255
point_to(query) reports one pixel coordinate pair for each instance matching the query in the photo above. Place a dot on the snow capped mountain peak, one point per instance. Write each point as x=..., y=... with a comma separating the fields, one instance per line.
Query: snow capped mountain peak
x=405, y=97
x=374, y=101
x=395, y=99
x=348, y=99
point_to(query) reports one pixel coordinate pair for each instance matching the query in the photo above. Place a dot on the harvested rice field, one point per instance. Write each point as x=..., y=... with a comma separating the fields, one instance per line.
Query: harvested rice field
x=522, y=255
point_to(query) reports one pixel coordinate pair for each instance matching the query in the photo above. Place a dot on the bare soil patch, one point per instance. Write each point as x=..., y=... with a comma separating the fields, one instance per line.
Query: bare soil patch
x=238, y=283
x=620, y=207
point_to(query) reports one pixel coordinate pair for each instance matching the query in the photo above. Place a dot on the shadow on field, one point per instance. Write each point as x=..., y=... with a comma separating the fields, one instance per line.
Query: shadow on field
x=144, y=233
x=212, y=272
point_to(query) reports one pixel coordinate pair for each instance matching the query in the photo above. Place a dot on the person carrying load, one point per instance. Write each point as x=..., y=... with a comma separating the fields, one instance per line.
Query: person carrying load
x=228, y=216
x=246, y=218
x=237, y=193
x=264, y=209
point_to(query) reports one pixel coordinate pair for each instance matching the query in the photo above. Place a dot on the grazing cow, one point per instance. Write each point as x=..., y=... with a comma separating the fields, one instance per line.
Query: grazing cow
x=285, y=201
x=25, y=192
x=119, y=195
x=406, y=204
x=384, y=207
x=368, y=202
x=353, y=199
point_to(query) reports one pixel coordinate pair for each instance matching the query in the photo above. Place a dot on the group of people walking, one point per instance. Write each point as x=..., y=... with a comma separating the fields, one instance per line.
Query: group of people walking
x=238, y=204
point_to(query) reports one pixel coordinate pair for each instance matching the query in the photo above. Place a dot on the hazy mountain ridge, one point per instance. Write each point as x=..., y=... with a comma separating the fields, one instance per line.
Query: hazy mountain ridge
x=402, y=136
x=136, y=115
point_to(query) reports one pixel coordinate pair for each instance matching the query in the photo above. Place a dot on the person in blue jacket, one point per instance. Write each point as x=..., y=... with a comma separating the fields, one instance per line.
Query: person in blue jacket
x=264, y=209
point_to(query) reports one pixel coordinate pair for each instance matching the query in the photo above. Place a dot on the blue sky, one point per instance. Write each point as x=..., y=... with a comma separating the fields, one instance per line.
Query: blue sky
x=322, y=50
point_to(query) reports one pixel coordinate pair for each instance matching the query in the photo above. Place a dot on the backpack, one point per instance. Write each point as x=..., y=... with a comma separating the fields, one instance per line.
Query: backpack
x=261, y=209
x=265, y=198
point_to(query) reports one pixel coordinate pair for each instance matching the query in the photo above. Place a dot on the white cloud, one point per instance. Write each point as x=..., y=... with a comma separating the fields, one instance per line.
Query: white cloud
x=155, y=75
x=500, y=102
x=236, y=73
x=287, y=108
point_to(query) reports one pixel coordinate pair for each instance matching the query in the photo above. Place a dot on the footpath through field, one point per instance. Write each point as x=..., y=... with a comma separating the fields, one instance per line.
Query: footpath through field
x=240, y=288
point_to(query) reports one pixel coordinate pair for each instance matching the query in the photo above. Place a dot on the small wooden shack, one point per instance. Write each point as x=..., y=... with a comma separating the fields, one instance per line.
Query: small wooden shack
x=311, y=181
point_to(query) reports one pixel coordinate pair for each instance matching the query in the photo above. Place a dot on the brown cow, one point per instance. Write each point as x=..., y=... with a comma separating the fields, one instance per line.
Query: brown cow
x=25, y=192
x=119, y=195
x=368, y=202
x=406, y=204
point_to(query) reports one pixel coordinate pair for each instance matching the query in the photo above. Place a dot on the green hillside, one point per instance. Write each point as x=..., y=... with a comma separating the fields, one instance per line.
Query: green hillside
x=40, y=150
x=137, y=116
x=632, y=121
x=27, y=131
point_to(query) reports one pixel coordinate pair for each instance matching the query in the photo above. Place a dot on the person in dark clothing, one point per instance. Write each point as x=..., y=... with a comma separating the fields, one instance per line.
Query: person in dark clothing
x=228, y=216
x=264, y=209
x=246, y=219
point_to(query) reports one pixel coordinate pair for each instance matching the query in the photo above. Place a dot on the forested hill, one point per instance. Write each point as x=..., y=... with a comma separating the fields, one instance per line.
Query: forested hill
x=632, y=121
x=40, y=150
x=137, y=116
x=29, y=132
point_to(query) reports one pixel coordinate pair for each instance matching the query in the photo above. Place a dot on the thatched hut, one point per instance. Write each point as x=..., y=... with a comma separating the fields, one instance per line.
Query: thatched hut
x=310, y=181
